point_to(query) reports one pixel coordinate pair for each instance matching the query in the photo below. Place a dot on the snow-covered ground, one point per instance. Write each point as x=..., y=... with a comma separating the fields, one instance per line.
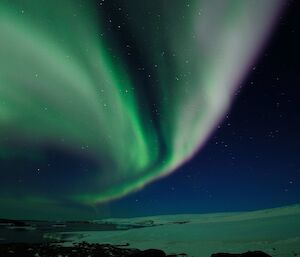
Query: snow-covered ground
x=274, y=231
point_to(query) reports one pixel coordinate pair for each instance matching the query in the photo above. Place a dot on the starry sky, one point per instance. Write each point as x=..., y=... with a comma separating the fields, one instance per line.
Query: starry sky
x=117, y=109
x=252, y=159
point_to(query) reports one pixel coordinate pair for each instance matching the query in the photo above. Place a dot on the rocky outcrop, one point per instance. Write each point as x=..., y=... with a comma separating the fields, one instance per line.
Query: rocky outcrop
x=247, y=254
x=149, y=253
x=77, y=250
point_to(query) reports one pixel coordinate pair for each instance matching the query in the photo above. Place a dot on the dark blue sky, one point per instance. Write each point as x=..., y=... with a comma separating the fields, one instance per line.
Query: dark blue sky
x=252, y=160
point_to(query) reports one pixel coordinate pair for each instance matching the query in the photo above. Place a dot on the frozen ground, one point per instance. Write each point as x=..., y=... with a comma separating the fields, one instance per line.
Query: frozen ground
x=274, y=231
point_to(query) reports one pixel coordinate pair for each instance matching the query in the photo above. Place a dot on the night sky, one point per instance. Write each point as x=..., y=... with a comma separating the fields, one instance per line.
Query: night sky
x=252, y=159
x=104, y=107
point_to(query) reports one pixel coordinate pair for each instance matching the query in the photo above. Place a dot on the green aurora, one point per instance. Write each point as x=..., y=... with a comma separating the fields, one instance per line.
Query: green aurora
x=139, y=110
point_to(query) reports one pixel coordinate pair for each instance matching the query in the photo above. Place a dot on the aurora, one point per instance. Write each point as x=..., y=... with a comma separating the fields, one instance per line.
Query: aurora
x=133, y=88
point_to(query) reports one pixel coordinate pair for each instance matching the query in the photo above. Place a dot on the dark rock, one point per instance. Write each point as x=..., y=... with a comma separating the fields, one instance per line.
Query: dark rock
x=149, y=253
x=179, y=222
x=247, y=254
x=82, y=249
